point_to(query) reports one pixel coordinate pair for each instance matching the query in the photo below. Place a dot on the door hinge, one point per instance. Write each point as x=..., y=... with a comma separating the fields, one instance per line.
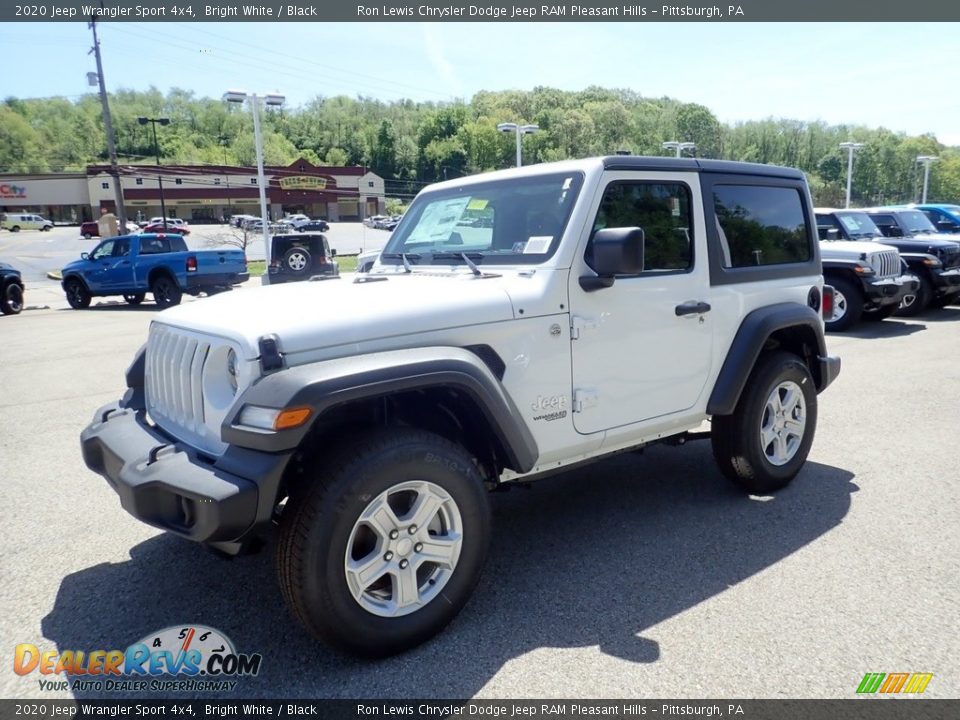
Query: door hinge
x=579, y=325
x=583, y=399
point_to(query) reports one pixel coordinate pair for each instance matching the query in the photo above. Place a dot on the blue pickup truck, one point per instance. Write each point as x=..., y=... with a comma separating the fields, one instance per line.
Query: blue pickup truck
x=133, y=265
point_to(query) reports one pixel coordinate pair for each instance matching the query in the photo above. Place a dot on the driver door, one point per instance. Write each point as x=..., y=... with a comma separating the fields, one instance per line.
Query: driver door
x=641, y=348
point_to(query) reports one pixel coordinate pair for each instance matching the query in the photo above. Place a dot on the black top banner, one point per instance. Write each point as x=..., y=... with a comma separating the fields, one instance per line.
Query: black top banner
x=490, y=11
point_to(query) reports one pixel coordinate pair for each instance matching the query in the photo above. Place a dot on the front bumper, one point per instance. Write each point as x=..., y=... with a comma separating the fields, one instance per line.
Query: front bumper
x=947, y=282
x=169, y=485
x=889, y=291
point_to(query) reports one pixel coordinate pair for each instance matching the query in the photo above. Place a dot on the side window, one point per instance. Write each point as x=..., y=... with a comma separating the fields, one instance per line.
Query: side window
x=102, y=251
x=154, y=246
x=121, y=248
x=662, y=210
x=760, y=225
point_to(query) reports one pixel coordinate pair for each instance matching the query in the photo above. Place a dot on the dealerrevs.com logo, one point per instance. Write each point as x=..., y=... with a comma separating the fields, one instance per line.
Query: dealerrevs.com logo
x=184, y=658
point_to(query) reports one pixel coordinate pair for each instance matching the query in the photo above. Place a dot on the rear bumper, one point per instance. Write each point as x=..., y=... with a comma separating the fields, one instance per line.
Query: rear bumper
x=168, y=485
x=829, y=366
x=216, y=279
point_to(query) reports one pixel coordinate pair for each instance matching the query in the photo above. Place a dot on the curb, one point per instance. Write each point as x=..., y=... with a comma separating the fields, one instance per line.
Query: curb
x=54, y=275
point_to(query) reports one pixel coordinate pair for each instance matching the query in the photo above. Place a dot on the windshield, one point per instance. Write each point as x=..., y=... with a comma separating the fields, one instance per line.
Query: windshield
x=505, y=221
x=859, y=225
x=915, y=221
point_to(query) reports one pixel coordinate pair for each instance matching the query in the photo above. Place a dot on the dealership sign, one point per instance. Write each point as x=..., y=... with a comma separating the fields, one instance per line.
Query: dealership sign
x=303, y=182
x=12, y=191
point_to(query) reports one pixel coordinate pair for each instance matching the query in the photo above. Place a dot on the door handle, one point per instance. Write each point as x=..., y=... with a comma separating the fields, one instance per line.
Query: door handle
x=691, y=308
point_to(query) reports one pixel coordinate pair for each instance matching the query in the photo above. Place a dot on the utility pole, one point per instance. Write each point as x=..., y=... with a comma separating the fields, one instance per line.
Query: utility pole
x=108, y=124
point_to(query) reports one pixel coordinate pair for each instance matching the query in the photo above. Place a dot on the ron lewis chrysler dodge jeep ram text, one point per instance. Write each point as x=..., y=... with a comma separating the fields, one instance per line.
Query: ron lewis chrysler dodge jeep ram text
x=517, y=323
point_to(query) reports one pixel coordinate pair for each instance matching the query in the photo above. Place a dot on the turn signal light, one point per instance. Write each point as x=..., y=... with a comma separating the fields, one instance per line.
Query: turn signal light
x=291, y=418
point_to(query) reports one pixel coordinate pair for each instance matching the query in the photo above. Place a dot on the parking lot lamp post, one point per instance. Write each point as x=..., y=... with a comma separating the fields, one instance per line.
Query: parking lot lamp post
x=156, y=149
x=678, y=146
x=927, y=160
x=850, y=147
x=520, y=130
x=270, y=100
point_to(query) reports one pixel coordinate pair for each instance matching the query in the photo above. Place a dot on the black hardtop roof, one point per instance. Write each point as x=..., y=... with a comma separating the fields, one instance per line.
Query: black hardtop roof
x=728, y=167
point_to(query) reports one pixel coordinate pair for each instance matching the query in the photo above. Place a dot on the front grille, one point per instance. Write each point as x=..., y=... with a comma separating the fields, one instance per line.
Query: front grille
x=174, y=374
x=951, y=259
x=887, y=263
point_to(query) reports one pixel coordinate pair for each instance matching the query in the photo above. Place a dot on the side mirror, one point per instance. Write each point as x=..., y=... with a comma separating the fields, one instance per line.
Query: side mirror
x=84, y=256
x=833, y=234
x=946, y=226
x=616, y=251
x=892, y=231
x=333, y=252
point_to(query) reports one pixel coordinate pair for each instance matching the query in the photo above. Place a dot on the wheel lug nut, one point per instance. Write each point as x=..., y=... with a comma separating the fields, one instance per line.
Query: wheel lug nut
x=403, y=564
x=413, y=529
x=418, y=547
x=388, y=557
x=394, y=534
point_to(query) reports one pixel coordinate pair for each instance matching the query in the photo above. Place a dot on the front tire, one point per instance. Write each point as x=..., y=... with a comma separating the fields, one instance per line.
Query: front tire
x=11, y=302
x=847, y=305
x=77, y=294
x=166, y=292
x=766, y=440
x=381, y=551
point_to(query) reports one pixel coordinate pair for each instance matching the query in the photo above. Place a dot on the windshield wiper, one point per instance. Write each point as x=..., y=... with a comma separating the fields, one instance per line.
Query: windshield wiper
x=400, y=256
x=403, y=257
x=468, y=258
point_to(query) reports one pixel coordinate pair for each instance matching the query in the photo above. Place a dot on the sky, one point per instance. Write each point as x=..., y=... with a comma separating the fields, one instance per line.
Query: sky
x=900, y=76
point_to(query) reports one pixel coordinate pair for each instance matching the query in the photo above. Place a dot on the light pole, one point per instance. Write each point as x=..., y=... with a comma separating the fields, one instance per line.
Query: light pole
x=678, y=146
x=156, y=149
x=270, y=100
x=850, y=147
x=223, y=143
x=927, y=161
x=520, y=130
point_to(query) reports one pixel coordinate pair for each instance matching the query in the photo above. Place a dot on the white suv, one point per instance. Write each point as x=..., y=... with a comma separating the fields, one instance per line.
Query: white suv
x=516, y=324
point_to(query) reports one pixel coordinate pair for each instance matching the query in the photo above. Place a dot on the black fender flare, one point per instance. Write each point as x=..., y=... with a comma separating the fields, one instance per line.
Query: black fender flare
x=75, y=276
x=755, y=329
x=324, y=385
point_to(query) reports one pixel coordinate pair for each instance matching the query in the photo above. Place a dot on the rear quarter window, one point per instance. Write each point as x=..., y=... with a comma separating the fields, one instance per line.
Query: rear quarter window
x=761, y=225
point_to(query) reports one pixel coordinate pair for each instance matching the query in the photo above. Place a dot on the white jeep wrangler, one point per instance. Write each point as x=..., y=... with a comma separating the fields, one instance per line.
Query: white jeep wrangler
x=517, y=323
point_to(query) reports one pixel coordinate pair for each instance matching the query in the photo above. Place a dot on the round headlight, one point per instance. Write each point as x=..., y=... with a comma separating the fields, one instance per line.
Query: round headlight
x=232, y=369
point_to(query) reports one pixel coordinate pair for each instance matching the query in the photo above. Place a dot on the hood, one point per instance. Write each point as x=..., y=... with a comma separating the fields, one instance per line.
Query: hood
x=309, y=315
x=921, y=243
x=844, y=249
x=75, y=265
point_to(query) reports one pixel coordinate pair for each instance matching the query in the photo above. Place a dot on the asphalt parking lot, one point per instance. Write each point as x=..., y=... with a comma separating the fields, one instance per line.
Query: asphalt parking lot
x=644, y=576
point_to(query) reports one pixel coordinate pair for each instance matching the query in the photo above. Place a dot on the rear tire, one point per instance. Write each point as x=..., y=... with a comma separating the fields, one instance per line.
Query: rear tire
x=77, y=294
x=87, y=236
x=847, y=305
x=764, y=443
x=381, y=550
x=166, y=292
x=11, y=301
x=15, y=228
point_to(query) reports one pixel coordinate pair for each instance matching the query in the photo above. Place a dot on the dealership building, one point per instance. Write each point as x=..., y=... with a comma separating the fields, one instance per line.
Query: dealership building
x=197, y=193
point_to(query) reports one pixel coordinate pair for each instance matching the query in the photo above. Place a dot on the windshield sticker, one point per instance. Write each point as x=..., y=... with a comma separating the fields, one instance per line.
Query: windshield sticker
x=439, y=219
x=477, y=204
x=538, y=244
x=850, y=222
